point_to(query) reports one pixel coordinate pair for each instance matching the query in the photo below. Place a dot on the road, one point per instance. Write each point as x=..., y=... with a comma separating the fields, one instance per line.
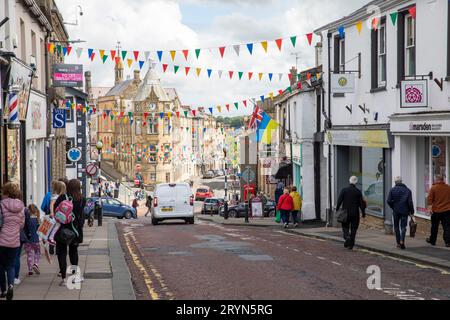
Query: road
x=210, y=261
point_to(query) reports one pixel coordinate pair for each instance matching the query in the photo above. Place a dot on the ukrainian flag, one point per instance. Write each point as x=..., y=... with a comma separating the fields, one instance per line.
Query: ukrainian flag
x=265, y=129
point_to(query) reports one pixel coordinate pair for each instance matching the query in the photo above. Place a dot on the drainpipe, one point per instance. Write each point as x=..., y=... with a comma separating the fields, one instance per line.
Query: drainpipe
x=328, y=126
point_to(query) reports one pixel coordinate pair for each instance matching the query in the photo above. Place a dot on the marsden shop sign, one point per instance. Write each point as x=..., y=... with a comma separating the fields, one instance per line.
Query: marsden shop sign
x=68, y=75
x=421, y=127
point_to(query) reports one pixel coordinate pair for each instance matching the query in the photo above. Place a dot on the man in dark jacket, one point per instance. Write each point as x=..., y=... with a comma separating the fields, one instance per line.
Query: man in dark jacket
x=400, y=201
x=351, y=199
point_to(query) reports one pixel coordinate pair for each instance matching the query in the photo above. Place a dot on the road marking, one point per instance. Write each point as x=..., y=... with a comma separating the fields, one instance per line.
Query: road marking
x=296, y=250
x=307, y=253
x=394, y=284
x=353, y=269
x=336, y=263
x=321, y=258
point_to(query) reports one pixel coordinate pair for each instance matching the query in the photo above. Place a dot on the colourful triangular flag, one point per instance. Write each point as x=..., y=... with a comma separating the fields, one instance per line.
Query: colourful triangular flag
x=359, y=25
x=279, y=43
x=231, y=74
x=260, y=75
x=198, y=71
x=136, y=55
x=341, y=32
x=262, y=99
x=309, y=36
x=240, y=73
x=64, y=51
x=186, y=53
x=172, y=54
x=270, y=76
x=264, y=45
x=164, y=66
x=102, y=53
x=209, y=72
x=197, y=52
x=90, y=52
x=159, y=53
x=413, y=11
x=250, y=74
x=92, y=56
x=141, y=64
x=175, y=69
x=250, y=47
x=394, y=16
x=237, y=49
x=294, y=40
x=236, y=104
x=222, y=51
x=113, y=54
x=105, y=57
x=124, y=54
x=186, y=69
x=220, y=73
x=79, y=52
x=130, y=62
x=228, y=107
x=211, y=110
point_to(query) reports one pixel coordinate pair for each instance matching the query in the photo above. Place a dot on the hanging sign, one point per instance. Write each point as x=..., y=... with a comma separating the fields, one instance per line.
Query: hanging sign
x=59, y=118
x=414, y=94
x=68, y=75
x=74, y=155
x=342, y=83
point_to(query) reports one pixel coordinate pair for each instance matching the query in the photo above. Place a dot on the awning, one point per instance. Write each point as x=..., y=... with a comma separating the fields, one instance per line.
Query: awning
x=284, y=171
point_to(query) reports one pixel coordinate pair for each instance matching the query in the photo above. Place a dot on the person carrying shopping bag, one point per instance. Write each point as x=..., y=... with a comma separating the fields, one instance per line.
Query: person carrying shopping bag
x=297, y=206
x=285, y=205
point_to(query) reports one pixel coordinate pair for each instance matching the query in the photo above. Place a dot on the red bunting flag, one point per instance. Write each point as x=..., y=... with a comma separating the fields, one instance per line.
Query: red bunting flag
x=228, y=107
x=375, y=22
x=186, y=53
x=69, y=49
x=113, y=55
x=187, y=70
x=92, y=56
x=231, y=74
x=245, y=103
x=280, y=92
x=222, y=51
x=136, y=55
x=104, y=114
x=412, y=11
x=164, y=67
x=299, y=85
x=309, y=36
x=279, y=42
x=122, y=114
x=178, y=114
x=308, y=76
x=250, y=74
x=290, y=76
x=117, y=60
x=145, y=115
x=49, y=47
x=193, y=112
x=95, y=110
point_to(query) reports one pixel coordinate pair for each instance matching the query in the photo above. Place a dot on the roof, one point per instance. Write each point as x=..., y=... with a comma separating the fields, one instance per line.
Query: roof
x=172, y=93
x=362, y=13
x=100, y=91
x=118, y=89
x=151, y=82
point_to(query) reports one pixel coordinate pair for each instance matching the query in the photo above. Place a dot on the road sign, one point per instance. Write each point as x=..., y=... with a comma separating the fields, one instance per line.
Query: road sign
x=74, y=155
x=248, y=175
x=92, y=169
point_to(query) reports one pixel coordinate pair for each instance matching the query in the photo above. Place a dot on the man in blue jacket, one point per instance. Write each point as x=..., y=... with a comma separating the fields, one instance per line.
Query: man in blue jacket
x=400, y=200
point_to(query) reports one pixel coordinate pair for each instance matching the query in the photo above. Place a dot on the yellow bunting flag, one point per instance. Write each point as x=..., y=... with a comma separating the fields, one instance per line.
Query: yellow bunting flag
x=102, y=53
x=172, y=54
x=359, y=26
x=260, y=75
x=169, y=114
x=52, y=48
x=271, y=95
x=264, y=45
x=130, y=62
x=218, y=108
x=198, y=71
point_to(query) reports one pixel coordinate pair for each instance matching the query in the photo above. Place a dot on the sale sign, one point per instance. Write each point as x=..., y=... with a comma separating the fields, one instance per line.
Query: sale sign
x=67, y=75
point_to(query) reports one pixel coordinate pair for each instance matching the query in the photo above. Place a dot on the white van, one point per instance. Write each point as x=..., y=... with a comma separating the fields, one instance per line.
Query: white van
x=173, y=201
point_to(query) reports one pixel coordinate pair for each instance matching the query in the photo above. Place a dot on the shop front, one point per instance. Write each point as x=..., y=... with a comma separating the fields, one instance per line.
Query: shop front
x=365, y=154
x=423, y=152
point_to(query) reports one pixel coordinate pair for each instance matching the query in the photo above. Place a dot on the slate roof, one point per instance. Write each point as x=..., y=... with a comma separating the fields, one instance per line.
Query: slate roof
x=118, y=89
x=151, y=81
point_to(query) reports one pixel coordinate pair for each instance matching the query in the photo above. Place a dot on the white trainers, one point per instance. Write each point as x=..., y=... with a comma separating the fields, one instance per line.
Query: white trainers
x=78, y=279
x=17, y=281
x=63, y=283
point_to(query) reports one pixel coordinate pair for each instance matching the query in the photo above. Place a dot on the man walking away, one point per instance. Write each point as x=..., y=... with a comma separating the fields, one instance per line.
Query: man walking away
x=400, y=201
x=351, y=199
x=439, y=209
x=285, y=205
x=148, y=204
x=297, y=205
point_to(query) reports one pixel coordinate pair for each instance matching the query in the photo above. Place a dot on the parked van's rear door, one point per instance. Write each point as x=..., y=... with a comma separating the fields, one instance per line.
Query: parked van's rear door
x=174, y=199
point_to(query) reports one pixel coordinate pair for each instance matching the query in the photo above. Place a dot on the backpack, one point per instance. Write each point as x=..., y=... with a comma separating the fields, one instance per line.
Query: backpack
x=45, y=206
x=64, y=212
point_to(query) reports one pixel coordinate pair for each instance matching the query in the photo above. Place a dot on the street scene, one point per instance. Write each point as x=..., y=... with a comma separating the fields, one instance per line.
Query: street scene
x=190, y=151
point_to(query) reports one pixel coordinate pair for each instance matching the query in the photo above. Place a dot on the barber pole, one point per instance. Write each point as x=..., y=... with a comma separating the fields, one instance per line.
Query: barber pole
x=13, y=118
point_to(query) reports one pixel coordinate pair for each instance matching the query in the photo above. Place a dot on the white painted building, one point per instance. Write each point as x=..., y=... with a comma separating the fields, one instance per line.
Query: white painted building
x=373, y=135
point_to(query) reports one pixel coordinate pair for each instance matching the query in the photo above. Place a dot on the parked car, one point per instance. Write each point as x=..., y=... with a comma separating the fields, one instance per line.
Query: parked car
x=220, y=173
x=212, y=206
x=203, y=193
x=209, y=175
x=238, y=211
x=173, y=201
x=110, y=208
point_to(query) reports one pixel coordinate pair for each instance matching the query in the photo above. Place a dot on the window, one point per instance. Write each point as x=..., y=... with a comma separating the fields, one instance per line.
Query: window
x=152, y=126
x=138, y=127
x=410, y=46
x=23, y=50
x=342, y=55
x=69, y=111
x=70, y=143
x=166, y=126
x=168, y=177
x=152, y=177
x=167, y=154
x=153, y=155
x=382, y=55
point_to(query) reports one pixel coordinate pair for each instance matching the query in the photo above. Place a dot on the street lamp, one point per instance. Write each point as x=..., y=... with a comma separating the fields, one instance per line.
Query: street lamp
x=225, y=205
x=99, y=147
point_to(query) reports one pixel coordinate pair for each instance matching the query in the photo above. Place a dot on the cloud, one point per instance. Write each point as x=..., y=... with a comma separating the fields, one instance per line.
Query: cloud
x=158, y=25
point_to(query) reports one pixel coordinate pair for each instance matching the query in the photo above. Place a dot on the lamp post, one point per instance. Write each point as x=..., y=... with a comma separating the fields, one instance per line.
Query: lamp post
x=225, y=205
x=99, y=147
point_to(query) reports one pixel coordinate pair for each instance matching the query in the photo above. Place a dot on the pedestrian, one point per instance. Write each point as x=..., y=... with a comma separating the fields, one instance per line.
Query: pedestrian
x=439, y=209
x=148, y=204
x=297, y=205
x=135, y=205
x=12, y=210
x=352, y=200
x=23, y=241
x=279, y=191
x=76, y=226
x=32, y=246
x=59, y=189
x=285, y=205
x=400, y=201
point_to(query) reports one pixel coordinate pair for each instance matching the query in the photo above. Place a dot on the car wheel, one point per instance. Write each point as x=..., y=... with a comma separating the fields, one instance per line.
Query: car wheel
x=190, y=221
x=232, y=214
x=155, y=222
x=127, y=215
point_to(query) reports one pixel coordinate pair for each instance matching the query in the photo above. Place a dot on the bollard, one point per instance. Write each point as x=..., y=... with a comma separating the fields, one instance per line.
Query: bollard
x=98, y=213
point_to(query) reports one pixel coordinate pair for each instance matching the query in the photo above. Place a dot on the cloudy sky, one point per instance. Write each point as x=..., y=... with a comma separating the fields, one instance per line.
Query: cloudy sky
x=151, y=25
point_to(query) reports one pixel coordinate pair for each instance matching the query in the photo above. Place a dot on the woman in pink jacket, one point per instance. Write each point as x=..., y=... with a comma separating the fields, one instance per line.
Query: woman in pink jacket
x=285, y=205
x=12, y=209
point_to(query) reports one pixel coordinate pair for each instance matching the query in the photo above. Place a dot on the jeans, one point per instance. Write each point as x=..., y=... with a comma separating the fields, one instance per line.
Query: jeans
x=295, y=216
x=7, y=267
x=349, y=228
x=61, y=252
x=285, y=215
x=444, y=219
x=400, y=223
x=17, y=262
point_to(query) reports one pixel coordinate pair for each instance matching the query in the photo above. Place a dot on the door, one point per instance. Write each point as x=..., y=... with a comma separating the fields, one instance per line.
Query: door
x=166, y=195
x=182, y=204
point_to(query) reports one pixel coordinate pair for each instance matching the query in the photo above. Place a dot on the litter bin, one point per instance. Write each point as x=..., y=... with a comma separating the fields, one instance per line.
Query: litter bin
x=116, y=193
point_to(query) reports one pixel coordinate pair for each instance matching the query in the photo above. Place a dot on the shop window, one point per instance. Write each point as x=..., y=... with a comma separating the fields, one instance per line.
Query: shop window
x=138, y=127
x=373, y=179
x=439, y=156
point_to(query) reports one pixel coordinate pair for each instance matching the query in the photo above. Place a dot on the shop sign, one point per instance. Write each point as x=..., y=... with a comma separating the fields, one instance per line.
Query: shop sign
x=414, y=94
x=343, y=83
x=59, y=118
x=68, y=75
x=36, y=123
x=359, y=138
x=20, y=86
x=74, y=155
x=420, y=127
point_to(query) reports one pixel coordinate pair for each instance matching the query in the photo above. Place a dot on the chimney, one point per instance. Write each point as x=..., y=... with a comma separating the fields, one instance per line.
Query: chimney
x=137, y=77
x=293, y=72
x=88, y=84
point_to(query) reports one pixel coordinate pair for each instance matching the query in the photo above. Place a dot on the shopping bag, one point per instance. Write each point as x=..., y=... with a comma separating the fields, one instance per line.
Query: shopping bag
x=278, y=217
x=412, y=227
x=46, y=227
x=47, y=252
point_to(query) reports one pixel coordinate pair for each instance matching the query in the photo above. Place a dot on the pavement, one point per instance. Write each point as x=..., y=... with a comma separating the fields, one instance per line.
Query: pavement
x=105, y=272
x=374, y=240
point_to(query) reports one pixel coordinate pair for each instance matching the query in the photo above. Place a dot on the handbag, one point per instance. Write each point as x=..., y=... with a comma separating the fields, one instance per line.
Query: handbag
x=342, y=215
x=412, y=227
x=278, y=217
x=66, y=236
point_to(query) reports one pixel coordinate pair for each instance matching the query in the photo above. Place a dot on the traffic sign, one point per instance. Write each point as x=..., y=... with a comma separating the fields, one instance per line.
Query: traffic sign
x=74, y=155
x=248, y=175
x=92, y=169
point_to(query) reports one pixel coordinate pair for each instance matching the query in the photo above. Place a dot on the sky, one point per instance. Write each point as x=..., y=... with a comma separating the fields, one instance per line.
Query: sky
x=151, y=25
